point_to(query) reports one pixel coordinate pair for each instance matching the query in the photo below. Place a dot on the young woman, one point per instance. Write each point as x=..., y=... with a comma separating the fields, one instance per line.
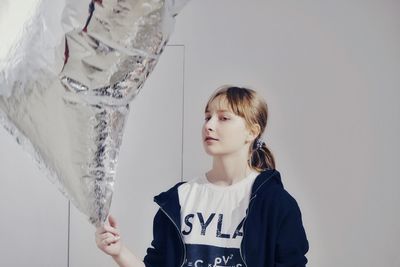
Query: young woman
x=237, y=213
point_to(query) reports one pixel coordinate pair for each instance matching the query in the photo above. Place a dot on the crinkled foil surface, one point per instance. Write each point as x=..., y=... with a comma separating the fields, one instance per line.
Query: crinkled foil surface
x=69, y=69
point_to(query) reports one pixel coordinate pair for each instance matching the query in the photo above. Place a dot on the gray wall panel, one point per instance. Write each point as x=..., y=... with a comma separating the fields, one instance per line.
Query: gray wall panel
x=34, y=214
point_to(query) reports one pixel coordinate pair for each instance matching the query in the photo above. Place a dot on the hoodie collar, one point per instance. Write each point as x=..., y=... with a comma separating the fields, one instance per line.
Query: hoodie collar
x=169, y=202
x=263, y=178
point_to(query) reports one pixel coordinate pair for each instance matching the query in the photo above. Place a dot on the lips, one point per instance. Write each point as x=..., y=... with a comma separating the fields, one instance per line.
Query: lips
x=210, y=138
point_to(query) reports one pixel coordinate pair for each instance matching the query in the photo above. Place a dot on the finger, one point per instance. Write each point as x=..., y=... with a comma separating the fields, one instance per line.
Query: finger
x=112, y=221
x=107, y=235
x=110, y=240
x=100, y=230
x=112, y=230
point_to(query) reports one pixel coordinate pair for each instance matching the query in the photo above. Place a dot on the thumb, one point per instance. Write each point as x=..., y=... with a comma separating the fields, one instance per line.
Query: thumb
x=112, y=221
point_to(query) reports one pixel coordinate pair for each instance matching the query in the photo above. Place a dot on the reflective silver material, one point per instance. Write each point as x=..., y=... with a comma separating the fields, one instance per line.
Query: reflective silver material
x=67, y=76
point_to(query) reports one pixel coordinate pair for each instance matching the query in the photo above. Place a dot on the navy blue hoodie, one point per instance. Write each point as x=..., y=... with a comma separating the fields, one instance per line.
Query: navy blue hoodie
x=273, y=232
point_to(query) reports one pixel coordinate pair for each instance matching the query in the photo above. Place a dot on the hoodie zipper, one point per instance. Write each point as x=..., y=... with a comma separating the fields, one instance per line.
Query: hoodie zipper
x=180, y=235
x=244, y=234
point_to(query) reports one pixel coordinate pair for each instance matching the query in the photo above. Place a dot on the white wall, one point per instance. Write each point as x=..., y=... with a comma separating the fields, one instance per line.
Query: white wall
x=329, y=71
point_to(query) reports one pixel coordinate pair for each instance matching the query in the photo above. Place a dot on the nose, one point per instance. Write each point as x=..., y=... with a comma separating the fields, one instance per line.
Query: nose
x=209, y=125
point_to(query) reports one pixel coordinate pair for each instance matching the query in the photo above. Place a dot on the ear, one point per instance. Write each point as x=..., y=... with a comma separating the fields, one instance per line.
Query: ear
x=254, y=131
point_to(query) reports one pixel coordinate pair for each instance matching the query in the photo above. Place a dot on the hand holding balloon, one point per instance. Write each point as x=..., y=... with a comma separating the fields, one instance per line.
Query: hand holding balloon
x=108, y=239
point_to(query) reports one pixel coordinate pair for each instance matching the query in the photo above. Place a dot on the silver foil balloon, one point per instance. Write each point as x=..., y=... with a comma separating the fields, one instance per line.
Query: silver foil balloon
x=68, y=72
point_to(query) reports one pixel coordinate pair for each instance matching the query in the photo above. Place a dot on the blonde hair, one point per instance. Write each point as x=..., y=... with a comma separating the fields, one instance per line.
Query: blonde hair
x=249, y=105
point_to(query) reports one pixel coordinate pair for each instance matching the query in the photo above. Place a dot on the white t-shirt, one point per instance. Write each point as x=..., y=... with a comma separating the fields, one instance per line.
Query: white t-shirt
x=212, y=220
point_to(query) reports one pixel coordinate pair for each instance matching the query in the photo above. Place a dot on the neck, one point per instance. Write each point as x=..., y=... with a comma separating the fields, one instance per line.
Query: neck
x=229, y=169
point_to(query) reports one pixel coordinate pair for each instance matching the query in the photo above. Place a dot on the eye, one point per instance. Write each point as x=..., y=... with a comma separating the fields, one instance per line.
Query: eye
x=221, y=118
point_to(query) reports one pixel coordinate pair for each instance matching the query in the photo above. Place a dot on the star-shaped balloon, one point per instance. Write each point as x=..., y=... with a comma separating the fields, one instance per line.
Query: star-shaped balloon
x=68, y=72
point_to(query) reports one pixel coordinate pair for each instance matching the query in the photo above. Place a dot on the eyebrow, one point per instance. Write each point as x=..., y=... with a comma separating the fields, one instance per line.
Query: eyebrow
x=219, y=110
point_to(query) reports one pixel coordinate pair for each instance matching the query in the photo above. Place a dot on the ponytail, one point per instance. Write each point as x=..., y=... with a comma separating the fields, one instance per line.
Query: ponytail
x=261, y=158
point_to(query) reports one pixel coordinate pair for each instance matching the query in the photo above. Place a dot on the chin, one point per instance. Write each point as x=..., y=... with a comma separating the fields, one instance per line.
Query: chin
x=208, y=151
x=211, y=151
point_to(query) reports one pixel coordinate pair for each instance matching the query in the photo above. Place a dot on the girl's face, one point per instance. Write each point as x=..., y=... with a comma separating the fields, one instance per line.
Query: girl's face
x=223, y=131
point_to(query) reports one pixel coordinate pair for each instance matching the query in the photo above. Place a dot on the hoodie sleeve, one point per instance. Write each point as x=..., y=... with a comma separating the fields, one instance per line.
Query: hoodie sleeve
x=292, y=243
x=154, y=254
